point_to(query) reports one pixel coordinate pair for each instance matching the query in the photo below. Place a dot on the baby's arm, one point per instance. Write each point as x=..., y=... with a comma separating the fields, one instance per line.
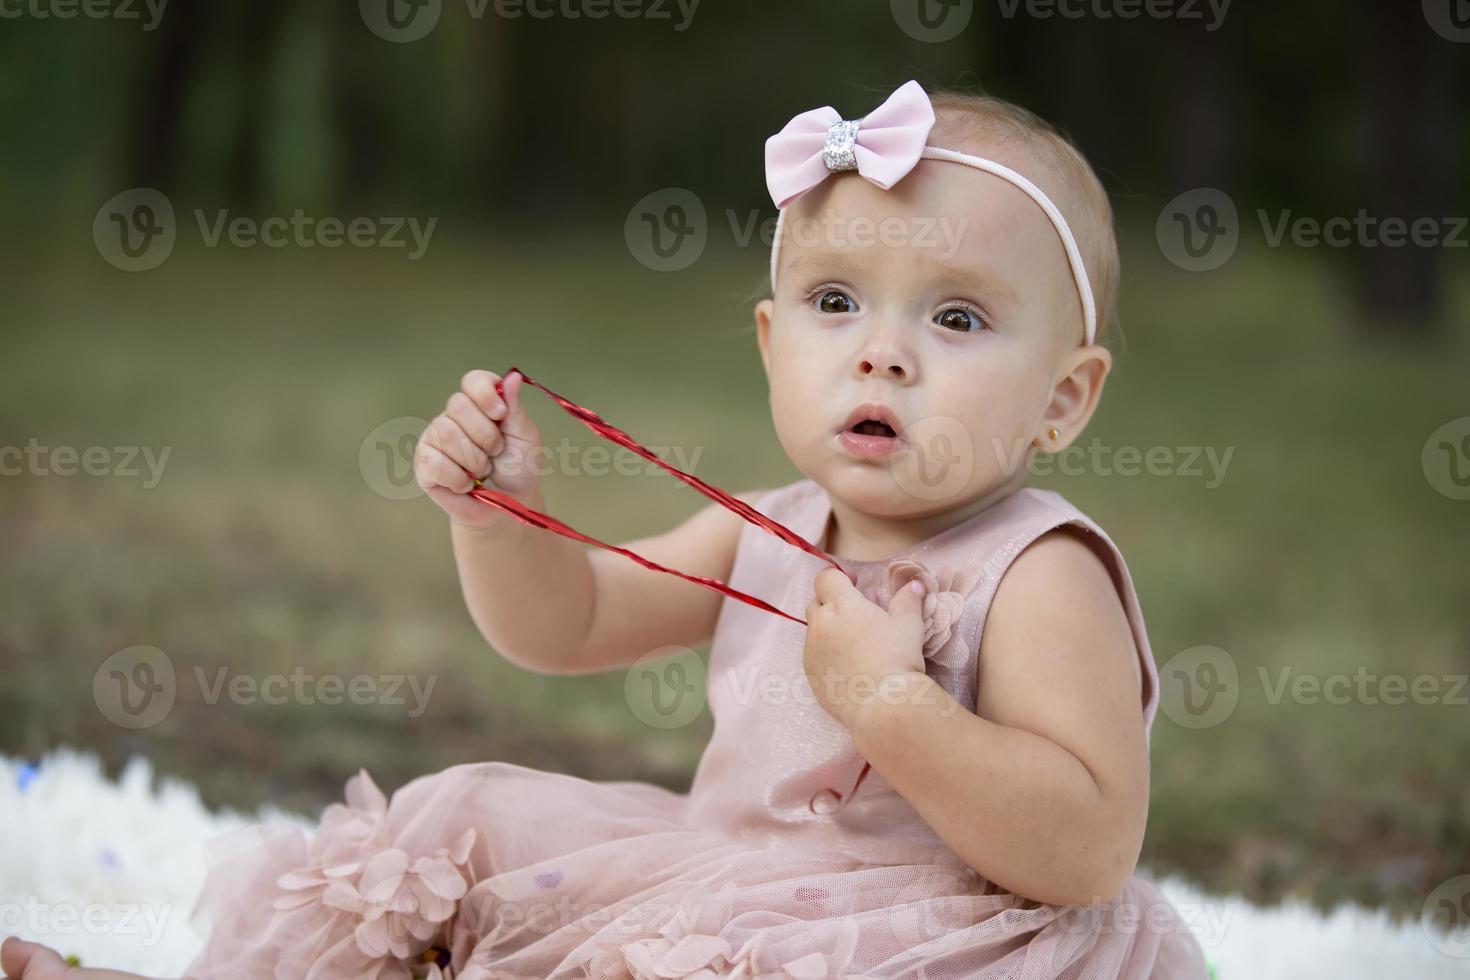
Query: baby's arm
x=547, y=602
x=556, y=606
x=1044, y=790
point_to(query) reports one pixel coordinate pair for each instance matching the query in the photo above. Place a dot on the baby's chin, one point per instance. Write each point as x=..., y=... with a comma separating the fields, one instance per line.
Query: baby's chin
x=900, y=490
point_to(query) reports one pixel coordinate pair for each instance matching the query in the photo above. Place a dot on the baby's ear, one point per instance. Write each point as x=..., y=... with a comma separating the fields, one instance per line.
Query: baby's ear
x=1078, y=389
x=763, y=311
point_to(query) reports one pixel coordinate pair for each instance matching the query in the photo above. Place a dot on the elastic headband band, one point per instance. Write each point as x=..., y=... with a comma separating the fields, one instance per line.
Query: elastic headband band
x=883, y=147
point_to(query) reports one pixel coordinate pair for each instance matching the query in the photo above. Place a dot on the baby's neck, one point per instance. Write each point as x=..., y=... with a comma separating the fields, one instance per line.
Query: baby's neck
x=858, y=536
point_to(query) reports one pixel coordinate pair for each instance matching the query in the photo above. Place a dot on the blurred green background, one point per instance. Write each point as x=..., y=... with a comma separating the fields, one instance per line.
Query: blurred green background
x=271, y=542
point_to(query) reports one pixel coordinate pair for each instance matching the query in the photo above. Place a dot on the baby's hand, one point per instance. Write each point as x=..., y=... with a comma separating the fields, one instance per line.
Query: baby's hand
x=852, y=644
x=491, y=437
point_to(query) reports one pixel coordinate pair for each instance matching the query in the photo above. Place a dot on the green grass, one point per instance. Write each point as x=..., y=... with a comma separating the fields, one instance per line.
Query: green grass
x=263, y=549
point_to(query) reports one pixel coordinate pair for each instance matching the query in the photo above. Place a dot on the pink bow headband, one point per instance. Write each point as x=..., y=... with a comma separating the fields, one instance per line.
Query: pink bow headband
x=883, y=147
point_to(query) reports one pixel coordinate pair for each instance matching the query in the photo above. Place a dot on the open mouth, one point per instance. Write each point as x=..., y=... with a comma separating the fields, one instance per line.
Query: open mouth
x=873, y=427
x=872, y=430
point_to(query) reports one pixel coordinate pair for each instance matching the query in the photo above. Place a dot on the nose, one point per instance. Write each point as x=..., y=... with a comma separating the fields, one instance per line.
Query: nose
x=886, y=356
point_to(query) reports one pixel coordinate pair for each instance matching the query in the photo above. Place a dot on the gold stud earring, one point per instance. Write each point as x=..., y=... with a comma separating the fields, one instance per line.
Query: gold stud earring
x=1054, y=433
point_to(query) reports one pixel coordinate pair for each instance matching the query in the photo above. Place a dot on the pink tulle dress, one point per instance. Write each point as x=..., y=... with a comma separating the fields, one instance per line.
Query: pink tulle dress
x=769, y=867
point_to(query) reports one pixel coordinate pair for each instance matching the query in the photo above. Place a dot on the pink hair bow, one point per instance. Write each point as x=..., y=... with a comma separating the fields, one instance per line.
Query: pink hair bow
x=883, y=146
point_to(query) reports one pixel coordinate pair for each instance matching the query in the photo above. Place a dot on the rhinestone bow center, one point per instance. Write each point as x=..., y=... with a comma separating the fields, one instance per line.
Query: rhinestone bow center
x=837, y=152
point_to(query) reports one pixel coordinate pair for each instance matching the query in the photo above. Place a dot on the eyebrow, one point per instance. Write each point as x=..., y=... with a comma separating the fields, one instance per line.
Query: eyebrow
x=991, y=285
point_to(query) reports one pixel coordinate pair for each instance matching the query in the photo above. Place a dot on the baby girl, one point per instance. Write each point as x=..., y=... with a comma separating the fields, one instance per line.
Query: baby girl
x=933, y=762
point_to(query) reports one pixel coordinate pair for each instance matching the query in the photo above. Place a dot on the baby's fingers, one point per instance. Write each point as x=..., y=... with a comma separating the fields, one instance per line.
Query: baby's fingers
x=517, y=423
x=473, y=420
x=479, y=387
x=432, y=468
x=455, y=443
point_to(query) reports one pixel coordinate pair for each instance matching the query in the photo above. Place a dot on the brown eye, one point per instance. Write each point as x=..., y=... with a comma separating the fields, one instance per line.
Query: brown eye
x=960, y=319
x=834, y=301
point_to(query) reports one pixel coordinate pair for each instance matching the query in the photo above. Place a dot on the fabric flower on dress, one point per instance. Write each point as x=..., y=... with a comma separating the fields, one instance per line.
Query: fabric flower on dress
x=347, y=833
x=759, y=961
x=403, y=903
x=945, y=594
x=690, y=947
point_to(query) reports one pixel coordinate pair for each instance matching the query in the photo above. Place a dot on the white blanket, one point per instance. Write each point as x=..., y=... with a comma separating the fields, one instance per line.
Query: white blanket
x=109, y=870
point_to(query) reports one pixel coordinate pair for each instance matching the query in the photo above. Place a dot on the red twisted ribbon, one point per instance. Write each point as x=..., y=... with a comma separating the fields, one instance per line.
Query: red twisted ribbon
x=595, y=422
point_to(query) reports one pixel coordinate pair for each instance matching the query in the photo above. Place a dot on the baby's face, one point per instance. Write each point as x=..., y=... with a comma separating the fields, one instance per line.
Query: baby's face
x=948, y=301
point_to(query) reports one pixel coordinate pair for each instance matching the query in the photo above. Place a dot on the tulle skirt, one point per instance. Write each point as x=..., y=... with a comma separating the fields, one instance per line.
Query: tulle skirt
x=494, y=870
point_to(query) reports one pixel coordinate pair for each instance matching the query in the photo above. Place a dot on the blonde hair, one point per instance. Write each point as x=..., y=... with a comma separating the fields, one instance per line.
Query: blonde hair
x=966, y=119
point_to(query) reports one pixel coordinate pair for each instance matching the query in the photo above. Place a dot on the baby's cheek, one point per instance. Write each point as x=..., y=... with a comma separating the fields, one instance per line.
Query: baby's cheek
x=1000, y=437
